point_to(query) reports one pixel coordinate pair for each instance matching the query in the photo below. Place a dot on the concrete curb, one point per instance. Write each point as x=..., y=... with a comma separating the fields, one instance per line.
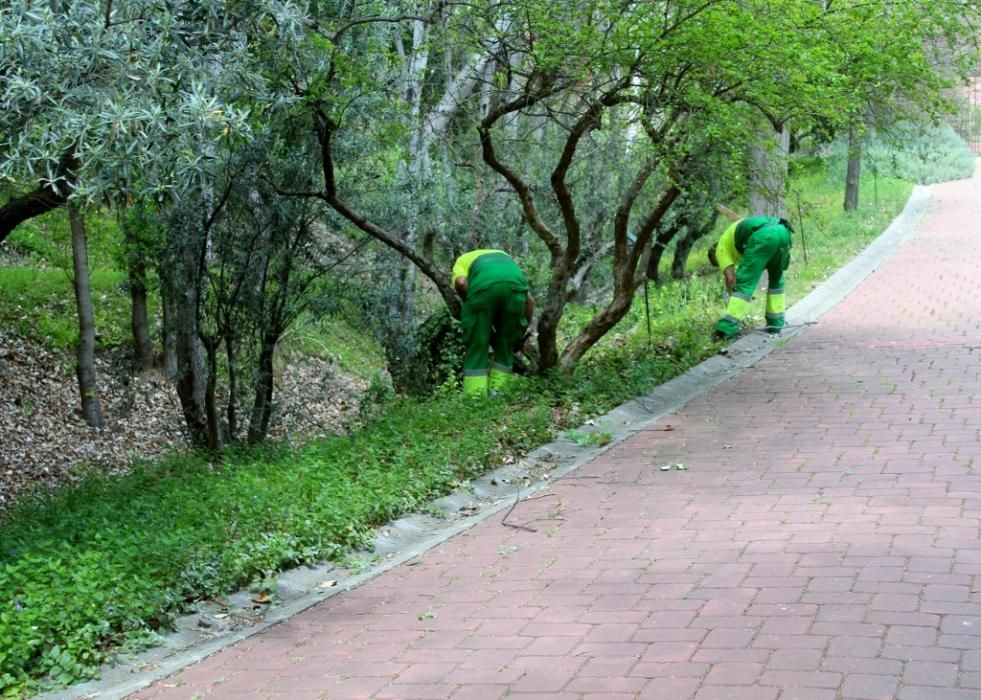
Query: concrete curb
x=410, y=536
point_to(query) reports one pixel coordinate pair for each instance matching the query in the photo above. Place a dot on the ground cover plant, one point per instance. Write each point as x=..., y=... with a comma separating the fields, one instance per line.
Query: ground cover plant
x=88, y=570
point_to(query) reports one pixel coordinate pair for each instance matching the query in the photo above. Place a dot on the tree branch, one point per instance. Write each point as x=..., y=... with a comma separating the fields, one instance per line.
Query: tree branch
x=325, y=128
x=351, y=24
x=668, y=195
x=622, y=216
x=45, y=198
x=522, y=188
x=588, y=121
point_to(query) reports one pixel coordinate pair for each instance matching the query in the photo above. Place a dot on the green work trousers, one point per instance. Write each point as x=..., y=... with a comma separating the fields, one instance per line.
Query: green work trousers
x=767, y=249
x=493, y=317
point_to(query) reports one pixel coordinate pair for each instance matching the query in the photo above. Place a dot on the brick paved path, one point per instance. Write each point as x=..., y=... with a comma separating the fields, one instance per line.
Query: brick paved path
x=824, y=542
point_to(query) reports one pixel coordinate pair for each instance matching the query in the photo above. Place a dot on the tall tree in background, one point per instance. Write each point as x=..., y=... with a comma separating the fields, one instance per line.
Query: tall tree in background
x=138, y=229
x=893, y=63
x=88, y=385
x=853, y=169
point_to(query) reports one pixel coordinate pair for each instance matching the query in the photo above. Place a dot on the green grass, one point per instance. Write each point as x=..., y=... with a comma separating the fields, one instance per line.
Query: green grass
x=88, y=569
x=47, y=239
x=36, y=295
x=40, y=304
x=333, y=338
x=115, y=557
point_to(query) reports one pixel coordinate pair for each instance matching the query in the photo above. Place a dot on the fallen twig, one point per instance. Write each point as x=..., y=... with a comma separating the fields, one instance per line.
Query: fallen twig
x=517, y=499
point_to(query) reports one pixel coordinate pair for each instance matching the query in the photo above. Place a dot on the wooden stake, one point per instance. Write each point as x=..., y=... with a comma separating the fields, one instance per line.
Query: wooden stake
x=727, y=212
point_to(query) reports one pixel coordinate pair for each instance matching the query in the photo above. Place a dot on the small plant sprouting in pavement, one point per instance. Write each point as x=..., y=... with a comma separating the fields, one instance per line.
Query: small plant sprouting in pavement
x=589, y=439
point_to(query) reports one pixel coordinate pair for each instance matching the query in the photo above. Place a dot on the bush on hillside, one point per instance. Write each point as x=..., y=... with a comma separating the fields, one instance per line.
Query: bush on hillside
x=919, y=154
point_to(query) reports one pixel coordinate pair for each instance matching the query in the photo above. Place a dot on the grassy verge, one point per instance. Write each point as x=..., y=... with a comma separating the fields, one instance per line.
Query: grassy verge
x=36, y=294
x=40, y=304
x=332, y=338
x=86, y=571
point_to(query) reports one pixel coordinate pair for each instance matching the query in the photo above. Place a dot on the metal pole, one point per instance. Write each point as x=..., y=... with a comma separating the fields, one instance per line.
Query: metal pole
x=800, y=224
x=647, y=310
x=875, y=183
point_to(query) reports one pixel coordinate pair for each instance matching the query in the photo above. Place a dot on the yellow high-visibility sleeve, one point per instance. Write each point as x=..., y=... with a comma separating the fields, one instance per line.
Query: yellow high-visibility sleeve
x=461, y=268
x=725, y=249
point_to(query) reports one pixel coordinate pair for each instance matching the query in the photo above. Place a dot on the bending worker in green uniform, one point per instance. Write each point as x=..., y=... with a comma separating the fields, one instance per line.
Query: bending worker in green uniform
x=745, y=249
x=497, y=308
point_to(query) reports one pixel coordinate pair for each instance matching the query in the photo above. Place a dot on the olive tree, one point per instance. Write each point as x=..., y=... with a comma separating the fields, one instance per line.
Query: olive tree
x=114, y=102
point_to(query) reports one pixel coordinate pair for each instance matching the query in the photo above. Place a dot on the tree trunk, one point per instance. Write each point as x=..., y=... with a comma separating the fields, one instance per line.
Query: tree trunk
x=210, y=399
x=681, y=251
x=231, y=412
x=85, y=351
x=192, y=372
x=168, y=336
x=139, y=320
x=683, y=247
x=627, y=266
x=402, y=316
x=661, y=241
x=854, y=168
x=262, y=406
x=551, y=313
x=768, y=174
x=598, y=326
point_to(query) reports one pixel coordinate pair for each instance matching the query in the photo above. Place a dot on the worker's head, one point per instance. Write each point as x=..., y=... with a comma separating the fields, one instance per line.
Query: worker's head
x=713, y=260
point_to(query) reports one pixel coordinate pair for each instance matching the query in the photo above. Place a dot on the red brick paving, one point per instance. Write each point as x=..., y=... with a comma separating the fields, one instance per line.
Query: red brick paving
x=823, y=544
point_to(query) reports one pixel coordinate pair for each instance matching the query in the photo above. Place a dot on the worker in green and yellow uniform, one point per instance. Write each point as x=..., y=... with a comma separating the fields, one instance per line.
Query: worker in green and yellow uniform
x=745, y=249
x=497, y=308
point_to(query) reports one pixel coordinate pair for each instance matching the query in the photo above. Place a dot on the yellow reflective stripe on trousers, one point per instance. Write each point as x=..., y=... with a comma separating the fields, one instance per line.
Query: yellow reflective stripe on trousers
x=475, y=384
x=776, y=303
x=737, y=308
x=500, y=377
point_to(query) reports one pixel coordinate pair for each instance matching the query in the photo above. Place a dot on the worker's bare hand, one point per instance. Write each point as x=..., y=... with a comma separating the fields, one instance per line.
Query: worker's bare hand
x=730, y=276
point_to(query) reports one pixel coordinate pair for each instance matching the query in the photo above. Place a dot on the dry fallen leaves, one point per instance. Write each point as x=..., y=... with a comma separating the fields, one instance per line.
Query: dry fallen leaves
x=45, y=443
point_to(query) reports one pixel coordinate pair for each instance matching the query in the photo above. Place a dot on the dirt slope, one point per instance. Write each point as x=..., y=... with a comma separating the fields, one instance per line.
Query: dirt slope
x=43, y=441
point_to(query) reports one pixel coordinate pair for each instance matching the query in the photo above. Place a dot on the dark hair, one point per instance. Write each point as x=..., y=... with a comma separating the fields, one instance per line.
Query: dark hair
x=713, y=260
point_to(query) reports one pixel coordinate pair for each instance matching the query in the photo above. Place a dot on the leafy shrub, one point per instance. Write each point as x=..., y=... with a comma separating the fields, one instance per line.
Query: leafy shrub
x=919, y=154
x=434, y=356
